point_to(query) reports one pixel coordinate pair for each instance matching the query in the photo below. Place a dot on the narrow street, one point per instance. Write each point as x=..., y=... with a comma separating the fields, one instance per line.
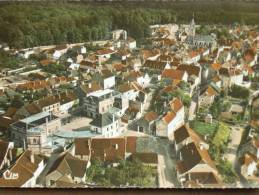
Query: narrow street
x=166, y=164
x=231, y=153
x=163, y=174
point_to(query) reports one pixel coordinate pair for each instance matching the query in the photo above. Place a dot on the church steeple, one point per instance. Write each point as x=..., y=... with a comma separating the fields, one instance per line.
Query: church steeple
x=192, y=26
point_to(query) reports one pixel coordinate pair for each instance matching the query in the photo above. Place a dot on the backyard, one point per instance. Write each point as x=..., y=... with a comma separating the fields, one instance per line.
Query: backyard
x=127, y=173
x=204, y=128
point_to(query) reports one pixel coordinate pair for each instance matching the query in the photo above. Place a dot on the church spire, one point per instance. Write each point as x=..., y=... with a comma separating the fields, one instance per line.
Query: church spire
x=192, y=26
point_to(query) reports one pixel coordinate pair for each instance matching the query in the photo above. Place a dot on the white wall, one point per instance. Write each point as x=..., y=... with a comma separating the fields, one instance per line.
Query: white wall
x=109, y=82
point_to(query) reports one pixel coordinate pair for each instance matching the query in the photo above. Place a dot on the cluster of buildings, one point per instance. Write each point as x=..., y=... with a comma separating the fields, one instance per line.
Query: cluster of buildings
x=115, y=91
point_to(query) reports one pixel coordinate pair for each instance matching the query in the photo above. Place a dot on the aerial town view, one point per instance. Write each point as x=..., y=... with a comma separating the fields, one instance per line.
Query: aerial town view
x=129, y=95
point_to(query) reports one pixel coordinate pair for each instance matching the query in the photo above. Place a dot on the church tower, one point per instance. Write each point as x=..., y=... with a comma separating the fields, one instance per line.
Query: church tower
x=192, y=27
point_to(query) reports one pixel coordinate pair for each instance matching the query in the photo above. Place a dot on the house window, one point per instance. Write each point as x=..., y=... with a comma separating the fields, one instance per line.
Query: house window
x=52, y=182
x=34, y=141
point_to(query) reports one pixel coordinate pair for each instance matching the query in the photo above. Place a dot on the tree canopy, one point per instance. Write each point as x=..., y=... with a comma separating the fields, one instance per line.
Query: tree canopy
x=127, y=173
x=27, y=24
x=239, y=92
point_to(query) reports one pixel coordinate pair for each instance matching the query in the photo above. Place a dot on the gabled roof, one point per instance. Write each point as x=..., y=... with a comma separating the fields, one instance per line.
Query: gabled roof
x=82, y=146
x=215, y=66
x=125, y=87
x=190, y=69
x=229, y=71
x=176, y=104
x=247, y=159
x=25, y=169
x=149, y=158
x=91, y=87
x=173, y=74
x=210, y=91
x=193, y=155
x=155, y=64
x=169, y=117
x=185, y=132
x=104, y=52
x=111, y=150
x=133, y=75
x=150, y=116
x=67, y=164
x=208, y=178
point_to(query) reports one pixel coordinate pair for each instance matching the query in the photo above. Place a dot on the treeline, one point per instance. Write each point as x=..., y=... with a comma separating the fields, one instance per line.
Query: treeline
x=24, y=25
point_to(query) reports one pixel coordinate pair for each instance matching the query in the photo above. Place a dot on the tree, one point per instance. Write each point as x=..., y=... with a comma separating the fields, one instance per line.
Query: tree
x=239, y=92
x=220, y=140
x=226, y=170
x=17, y=101
x=127, y=173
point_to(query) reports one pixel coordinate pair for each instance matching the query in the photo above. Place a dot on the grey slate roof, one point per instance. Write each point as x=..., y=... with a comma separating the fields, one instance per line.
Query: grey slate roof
x=103, y=120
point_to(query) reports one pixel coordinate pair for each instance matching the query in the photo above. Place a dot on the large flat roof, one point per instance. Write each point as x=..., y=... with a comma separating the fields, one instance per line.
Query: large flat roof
x=101, y=93
x=35, y=117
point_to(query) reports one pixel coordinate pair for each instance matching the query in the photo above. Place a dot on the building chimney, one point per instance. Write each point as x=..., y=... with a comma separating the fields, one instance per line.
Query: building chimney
x=113, y=118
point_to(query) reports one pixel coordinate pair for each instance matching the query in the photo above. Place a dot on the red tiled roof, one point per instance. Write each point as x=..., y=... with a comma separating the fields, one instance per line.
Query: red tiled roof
x=150, y=116
x=104, y=51
x=176, y=104
x=169, y=117
x=173, y=74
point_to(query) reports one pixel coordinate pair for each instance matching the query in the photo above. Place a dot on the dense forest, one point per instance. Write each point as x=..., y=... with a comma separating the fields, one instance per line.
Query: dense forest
x=24, y=25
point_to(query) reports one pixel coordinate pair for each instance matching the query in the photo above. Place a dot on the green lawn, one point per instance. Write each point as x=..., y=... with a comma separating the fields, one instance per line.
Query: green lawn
x=204, y=128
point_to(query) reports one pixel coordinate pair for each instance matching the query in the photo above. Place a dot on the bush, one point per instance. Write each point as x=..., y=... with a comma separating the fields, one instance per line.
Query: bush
x=220, y=141
x=226, y=170
x=239, y=92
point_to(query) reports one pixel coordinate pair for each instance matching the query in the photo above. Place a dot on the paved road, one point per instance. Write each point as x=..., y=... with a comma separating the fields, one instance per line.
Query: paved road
x=166, y=164
x=163, y=182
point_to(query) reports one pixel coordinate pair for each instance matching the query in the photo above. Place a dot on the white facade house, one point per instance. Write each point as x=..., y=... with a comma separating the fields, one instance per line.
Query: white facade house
x=144, y=81
x=127, y=91
x=64, y=108
x=172, y=120
x=193, y=59
x=131, y=43
x=248, y=167
x=57, y=54
x=106, y=124
x=83, y=50
x=74, y=66
x=176, y=122
x=26, y=53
